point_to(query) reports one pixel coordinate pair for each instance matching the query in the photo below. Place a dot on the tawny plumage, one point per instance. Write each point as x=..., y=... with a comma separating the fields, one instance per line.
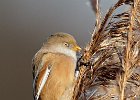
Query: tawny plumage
x=54, y=67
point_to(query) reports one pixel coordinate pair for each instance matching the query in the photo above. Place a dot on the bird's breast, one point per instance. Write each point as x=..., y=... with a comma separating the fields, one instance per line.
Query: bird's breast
x=61, y=77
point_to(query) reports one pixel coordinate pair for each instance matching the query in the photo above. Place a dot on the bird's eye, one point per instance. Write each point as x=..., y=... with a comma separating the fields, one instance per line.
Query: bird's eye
x=66, y=44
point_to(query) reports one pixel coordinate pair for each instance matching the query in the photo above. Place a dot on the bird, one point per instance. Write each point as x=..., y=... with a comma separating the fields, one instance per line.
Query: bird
x=54, y=68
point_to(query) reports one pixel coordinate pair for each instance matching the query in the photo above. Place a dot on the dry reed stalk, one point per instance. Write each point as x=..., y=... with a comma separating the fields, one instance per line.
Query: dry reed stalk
x=127, y=58
x=128, y=51
x=111, y=61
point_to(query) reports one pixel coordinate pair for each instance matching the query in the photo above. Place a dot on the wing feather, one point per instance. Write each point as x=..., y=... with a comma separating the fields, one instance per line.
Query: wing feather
x=43, y=81
x=41, y=71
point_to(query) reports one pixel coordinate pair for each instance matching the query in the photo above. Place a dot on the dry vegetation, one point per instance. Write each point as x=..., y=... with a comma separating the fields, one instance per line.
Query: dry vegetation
x=110, y=64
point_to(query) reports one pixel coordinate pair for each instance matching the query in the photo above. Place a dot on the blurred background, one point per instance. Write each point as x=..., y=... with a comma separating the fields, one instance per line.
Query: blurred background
x=24, y=26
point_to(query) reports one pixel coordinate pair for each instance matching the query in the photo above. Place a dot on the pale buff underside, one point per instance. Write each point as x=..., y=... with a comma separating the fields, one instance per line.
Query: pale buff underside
x=59, y=85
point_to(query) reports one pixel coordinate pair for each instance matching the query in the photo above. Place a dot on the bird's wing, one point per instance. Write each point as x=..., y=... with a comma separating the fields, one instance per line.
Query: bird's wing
x=41, y=71
x=42, y=80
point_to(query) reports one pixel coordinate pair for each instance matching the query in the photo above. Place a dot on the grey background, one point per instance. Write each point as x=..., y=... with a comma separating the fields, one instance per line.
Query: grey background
x=24, y=25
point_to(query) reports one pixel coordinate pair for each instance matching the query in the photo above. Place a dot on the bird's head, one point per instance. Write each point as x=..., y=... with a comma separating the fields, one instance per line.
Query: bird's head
x=62, y=43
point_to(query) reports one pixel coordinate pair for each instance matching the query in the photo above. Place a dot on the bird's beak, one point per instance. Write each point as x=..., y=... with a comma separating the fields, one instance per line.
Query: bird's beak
x=76, y=48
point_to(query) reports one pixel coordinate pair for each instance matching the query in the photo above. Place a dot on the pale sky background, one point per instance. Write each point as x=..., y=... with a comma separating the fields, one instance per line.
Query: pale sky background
x=24, y=25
